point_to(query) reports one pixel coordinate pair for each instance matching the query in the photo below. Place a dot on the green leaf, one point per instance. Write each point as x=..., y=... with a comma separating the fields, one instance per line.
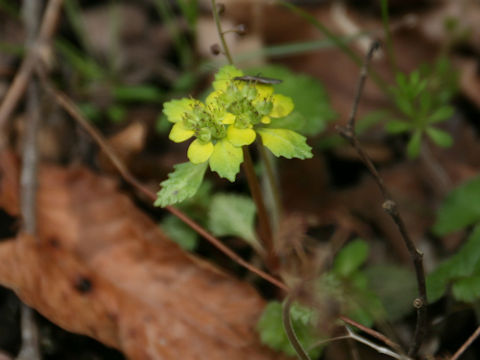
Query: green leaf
x=461, y=265
x=395, y=286
x=180, y=233
x=467, y=289
x=272, y=333
x=286, y=143
x=312, y=111
x=441, y=114
x=226, y=159
x=413, y=147
x=460, y=209
x=350, y=258
x=233, y=215
x=439, y=137
x=181, y=184
x=397, y=126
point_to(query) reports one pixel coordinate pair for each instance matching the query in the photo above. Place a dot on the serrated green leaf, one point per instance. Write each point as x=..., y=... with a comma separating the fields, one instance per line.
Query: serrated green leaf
x=397, y=126
x=312, y=110
x=439, y=137
x=350, y=258
x=461, y=208
x=441, y=114
x=180, y=233
x=286, y=143
x=233, y=215
x=272, y=333
x=413, y=147
x=395, y=286
x=181, y=184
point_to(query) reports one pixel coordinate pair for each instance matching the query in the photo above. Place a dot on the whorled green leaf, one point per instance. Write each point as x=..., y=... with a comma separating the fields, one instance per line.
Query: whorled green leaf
x=414, y=144
x=233, y=215
x=397, y=126
x=439, y=137
x=226, y=159
x=441, y=114
x=181, y=184
x=350, y=258
x=272, y=333
x=461, y=208
x=286, y=143
x=312, y=111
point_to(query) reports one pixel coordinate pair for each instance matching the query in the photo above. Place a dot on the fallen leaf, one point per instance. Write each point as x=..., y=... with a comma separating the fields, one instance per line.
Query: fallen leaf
x=102, y=268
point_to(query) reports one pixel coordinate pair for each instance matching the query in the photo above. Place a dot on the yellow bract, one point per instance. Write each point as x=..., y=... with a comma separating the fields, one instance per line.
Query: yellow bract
x=180, y=133
x=282, y=106
x=240, y=137
x=199, y=152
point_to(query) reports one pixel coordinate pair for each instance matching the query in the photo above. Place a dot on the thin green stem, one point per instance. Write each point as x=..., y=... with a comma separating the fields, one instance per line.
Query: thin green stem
x=388, y=35
x=287, y=325
x=265, y=230
x=216, y=17
x=272, y=182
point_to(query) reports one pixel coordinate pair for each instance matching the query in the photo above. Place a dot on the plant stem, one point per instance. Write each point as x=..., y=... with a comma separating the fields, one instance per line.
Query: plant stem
x=265, y=230
x=287, y=325
x=388, y=35
x=216, y=17
x=272, y=182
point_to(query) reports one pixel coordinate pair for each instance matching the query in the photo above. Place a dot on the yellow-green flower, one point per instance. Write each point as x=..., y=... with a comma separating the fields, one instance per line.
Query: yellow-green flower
x=231, y=117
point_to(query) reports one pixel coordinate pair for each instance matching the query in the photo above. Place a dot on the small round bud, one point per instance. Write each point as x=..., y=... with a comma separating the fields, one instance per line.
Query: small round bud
x=241, y=29
x=204, y=135
x=220, y=8
x=215, y=49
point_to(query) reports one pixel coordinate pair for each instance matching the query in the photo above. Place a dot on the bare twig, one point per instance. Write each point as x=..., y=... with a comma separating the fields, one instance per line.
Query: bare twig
x=465, y=346
x=390, y=206
x=372, y=333
x=70, y=107
x=21, y=79
x=28, y=178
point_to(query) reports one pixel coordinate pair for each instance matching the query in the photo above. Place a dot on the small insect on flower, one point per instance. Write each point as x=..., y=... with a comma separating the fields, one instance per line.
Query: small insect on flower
x=258, y=79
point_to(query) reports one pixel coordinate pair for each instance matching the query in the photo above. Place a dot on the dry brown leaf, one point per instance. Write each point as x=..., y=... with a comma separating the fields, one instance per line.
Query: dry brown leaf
x=102, y=268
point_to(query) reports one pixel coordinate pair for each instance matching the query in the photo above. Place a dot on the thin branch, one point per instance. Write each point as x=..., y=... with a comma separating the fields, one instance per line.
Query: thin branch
x=287, y=325
x=216, y=17
x=31, y=11
x=69, y=106
x=390, y=206
x=370, y=332
x=465, y=346
x=379, y=349
x=22, y=77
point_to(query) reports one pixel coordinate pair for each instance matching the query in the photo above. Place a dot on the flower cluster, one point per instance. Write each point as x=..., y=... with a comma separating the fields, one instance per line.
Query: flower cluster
x=231, y=117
